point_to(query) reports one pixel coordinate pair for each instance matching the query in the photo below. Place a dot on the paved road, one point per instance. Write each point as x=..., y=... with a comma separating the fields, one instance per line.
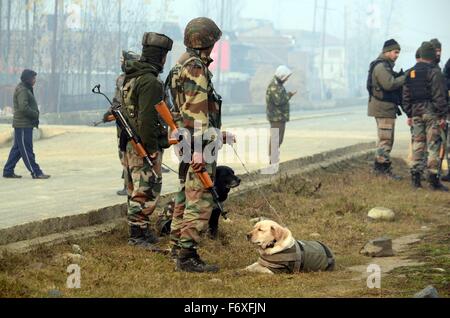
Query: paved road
x=86, y=172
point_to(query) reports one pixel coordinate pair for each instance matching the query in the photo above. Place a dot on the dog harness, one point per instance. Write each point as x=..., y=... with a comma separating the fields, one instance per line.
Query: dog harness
x=303, y=256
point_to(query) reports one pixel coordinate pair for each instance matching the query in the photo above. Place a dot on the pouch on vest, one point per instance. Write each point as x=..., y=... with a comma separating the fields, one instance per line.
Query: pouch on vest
x=131, y=110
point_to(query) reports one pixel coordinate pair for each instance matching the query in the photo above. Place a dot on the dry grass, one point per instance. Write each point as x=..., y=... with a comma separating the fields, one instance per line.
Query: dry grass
x=332, y=202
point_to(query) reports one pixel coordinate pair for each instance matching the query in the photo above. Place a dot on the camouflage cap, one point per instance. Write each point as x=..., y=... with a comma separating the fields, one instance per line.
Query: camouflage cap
x=201, y=33
x=158, y=40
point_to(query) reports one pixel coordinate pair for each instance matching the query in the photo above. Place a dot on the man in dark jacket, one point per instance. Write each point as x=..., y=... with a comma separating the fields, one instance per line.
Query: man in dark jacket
x=384, y=86
x=26, y=117
x=425, y=103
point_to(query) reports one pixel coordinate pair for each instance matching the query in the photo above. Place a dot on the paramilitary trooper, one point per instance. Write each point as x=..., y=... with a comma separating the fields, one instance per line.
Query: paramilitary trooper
x=438, y=47
x=447, y=80
x=277, y=111
x=384, y=87
x=117, y=100
x=195, y=100
x=142, y=90
x=425, y=104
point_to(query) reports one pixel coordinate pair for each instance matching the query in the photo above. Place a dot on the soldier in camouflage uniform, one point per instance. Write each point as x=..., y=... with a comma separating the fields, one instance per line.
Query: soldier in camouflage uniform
x=141, y=91
x=277, y=101
x=447, y=80
x=424, y=101
x=438, y=46
x=195, y=101
x=125, y=56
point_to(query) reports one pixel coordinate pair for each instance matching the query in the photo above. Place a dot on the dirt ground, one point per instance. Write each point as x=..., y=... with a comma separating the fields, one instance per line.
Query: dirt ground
x=332, y=203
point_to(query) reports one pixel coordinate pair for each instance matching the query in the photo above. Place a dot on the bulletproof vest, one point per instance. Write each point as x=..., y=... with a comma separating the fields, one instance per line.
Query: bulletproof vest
x=304, y=256
x=418, y=84
x=390, y=97
x=174, y=84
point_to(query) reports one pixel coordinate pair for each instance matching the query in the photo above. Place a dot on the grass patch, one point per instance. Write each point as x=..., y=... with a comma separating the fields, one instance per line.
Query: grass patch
x=332, y=202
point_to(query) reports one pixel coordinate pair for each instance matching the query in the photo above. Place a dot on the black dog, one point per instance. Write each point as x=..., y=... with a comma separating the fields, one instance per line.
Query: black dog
x=224, y=181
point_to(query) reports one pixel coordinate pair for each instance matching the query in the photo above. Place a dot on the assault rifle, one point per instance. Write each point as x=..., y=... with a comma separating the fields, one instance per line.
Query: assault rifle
x=126, y=128
x=203, y=175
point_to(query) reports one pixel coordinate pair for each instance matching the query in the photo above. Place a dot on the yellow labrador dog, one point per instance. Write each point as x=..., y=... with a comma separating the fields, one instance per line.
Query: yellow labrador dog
x=281, y=253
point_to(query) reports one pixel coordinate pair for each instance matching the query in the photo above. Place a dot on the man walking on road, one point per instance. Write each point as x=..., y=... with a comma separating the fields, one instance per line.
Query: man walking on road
x=26, y=117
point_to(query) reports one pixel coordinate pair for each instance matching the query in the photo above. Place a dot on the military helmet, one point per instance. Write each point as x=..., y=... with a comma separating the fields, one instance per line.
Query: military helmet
x=158, y=40
x=201, y=33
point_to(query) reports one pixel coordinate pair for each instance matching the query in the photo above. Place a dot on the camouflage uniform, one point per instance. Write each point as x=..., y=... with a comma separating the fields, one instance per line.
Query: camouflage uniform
x=277, y=101
x=424, y=101
x=196, y=101
x=141, y=91
x=196, y=97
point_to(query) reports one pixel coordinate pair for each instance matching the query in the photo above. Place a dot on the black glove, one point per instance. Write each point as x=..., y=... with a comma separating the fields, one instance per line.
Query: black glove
x=401, y=73
x=105, y=116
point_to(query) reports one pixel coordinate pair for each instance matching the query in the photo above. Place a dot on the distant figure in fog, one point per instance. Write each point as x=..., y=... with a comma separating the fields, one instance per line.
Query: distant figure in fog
x=26, y=117
x=277, y=101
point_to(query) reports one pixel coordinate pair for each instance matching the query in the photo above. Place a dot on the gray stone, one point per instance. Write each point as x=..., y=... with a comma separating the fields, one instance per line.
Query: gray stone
x=380, y=247
x=215, y=281
x=77, y=249
x=428, y=292
x=382, y=214
x=73, y=258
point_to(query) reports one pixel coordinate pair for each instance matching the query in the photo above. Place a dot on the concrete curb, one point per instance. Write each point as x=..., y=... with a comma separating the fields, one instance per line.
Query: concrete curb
x=22, y=238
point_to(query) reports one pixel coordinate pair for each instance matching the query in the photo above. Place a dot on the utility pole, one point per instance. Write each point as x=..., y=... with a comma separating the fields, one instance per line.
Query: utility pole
x=315, y=16
x=119, y=22
x=55, y=82
x=1, y=29
x=322, y=59
x=27, y=34
x=8, y=32
x=389, y=20
x=219, y=59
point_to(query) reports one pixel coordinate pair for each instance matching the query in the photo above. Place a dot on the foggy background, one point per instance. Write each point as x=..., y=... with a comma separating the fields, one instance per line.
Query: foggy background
x=75, y=44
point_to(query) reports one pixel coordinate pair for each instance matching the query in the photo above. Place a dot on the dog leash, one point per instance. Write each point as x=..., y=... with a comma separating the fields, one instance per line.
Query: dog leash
x=256, y=185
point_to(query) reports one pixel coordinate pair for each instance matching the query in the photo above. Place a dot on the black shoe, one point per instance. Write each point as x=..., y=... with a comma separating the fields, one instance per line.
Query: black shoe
x=42, y=176
x=446, y=178
x=436, y=184
x=122, y=192
x=11, y=176
x=416, y=179
x=174, y=251
x=189, y=261
x=150, y=236
x=164, y=170
x=385, y=169
x=139, y=237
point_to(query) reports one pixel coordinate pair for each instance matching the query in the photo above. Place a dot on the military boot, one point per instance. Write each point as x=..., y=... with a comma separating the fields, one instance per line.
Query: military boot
x=174, y=251
x=416, y=179
x=387, y=169
x=122, y=192
x=446, y=178
x=141, y=237
x=436, y=184
x=378, y=168
x=150, y=236
x=189, y=261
